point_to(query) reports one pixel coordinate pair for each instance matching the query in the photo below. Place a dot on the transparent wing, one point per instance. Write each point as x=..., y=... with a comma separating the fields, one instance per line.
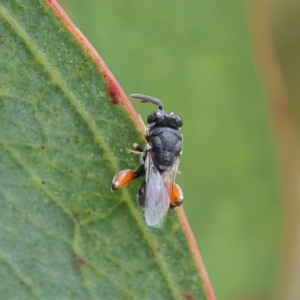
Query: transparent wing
x=157, y=201
x=169, y=178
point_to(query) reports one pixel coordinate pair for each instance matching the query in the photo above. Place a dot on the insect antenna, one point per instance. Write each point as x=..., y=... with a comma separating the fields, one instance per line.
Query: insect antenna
x=145, y=98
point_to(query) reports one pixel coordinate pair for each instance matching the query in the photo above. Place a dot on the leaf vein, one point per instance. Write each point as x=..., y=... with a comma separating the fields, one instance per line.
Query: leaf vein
x=98, y=136
x=22, y=277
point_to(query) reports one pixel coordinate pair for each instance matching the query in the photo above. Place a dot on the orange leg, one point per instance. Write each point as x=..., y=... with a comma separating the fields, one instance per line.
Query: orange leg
x=176, y=195
x=126, y=176
x=122, y=178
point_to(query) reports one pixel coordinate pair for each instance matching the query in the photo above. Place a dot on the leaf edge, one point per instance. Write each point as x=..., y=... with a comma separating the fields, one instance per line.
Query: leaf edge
x=116, y=93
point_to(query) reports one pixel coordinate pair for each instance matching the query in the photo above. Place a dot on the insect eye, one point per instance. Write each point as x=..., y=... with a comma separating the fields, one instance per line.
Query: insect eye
x=179, y=121
x=154, y=117
x=175, y=121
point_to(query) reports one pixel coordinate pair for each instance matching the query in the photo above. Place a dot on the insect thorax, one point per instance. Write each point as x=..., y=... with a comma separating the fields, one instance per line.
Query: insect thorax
x=166, y=145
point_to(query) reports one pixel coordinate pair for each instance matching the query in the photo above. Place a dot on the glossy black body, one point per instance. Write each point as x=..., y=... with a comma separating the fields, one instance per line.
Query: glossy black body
x=164, y=143
x=166, y=146
x=160, y=160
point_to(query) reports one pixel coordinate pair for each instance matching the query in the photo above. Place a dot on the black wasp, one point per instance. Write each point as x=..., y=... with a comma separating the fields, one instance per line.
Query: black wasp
x=160, y=160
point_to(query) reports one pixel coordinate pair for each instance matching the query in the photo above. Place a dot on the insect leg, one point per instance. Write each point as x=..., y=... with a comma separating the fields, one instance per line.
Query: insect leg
x=176, y=196
x=126, y=176
x=141, y=196
x=137, y=147
x=140, y=171
x=132, y=151
x=122, y=178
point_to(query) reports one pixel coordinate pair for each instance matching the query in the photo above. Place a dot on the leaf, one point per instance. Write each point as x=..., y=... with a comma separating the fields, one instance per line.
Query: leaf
x=198, y=59
x=64, y=125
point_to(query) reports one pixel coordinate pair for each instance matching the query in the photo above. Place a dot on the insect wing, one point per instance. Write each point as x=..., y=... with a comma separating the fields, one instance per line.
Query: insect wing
x=157, y=200
x=169, y=178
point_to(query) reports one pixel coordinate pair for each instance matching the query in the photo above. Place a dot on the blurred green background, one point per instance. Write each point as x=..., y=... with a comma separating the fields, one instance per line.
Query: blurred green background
x=197, y=57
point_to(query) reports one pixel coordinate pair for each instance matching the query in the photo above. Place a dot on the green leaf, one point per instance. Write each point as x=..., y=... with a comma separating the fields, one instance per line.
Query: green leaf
x=198, y=59
x=64, y=127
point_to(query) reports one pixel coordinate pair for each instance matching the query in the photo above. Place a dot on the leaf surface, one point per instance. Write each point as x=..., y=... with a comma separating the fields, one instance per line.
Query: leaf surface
x=64, y=126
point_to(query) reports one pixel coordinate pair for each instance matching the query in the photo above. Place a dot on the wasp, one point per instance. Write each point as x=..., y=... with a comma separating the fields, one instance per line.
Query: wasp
x=159, y=164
